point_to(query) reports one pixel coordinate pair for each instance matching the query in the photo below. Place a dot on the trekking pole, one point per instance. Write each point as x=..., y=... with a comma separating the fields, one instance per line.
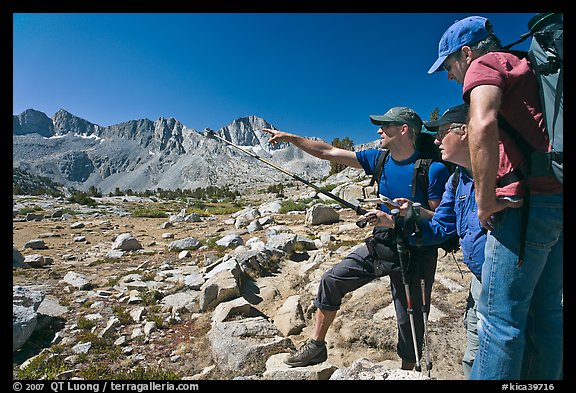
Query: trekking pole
x=403, y=265
x=361, y=223
x=425, y=316
x=416, y=206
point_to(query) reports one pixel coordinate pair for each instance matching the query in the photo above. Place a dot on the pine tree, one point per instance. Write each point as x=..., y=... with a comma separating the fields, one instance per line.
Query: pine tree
x=345, y=143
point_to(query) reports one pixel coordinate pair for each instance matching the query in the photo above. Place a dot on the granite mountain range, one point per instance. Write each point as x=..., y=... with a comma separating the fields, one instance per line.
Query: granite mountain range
x=146, y=155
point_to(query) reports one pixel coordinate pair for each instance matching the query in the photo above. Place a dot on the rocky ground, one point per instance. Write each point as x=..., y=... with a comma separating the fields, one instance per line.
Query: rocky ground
x=364, y=327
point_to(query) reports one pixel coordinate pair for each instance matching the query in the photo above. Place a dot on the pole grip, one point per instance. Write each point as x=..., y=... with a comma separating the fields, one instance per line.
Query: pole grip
x=364, y=220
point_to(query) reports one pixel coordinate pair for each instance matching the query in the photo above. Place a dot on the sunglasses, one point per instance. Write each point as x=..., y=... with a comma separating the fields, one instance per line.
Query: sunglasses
x=442, y=133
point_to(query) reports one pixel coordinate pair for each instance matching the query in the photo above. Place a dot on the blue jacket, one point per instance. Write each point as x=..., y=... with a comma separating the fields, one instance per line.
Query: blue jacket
x=457, y=212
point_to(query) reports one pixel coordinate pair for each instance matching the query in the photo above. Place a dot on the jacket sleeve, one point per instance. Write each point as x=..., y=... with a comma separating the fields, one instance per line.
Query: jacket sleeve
x=442, y=225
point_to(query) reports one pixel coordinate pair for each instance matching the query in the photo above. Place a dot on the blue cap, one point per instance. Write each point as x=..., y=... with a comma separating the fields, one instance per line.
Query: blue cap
x=463, y=32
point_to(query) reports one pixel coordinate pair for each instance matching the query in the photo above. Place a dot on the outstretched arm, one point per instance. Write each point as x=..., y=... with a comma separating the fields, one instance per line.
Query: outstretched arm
x=316, y=148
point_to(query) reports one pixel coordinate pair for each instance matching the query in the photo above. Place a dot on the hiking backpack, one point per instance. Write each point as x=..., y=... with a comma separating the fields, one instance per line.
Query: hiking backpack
x=546, y=55
x=546, y=58
x=420, y=180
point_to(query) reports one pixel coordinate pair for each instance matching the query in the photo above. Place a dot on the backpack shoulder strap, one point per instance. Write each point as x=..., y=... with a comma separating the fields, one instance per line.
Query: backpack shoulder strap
x=379, y=168
x=420, y=176
x=455, y=179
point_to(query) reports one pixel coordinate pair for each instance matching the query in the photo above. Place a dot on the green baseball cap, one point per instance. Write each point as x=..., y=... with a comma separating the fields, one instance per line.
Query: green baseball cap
x=399, y=114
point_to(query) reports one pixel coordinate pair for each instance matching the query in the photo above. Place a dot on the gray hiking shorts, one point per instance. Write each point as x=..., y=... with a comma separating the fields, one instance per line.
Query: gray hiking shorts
x=356, y=270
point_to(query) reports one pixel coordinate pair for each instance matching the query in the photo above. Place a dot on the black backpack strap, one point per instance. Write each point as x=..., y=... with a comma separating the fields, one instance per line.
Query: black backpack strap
x=523, y=145
x=420, y=177
x=455, y=179
x=524, y=226
x=379, y=168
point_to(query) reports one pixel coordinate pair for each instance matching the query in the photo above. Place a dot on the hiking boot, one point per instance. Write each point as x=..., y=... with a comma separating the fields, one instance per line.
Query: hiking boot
x=407, y=365
x=307, y=355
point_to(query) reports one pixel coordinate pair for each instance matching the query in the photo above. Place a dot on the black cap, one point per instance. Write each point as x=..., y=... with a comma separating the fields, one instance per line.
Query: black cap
x=456, y=114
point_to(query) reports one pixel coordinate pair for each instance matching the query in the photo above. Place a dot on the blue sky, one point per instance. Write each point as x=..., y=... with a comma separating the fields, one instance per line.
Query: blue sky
x=314, y=74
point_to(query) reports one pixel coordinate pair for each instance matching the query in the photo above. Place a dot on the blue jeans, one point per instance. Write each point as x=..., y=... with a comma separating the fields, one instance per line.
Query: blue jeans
x=520, y=310
x=471, y=325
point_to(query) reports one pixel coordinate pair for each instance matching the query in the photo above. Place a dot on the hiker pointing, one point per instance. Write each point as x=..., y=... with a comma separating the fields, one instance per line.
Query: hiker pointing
x=520, y=309
x=398, y=129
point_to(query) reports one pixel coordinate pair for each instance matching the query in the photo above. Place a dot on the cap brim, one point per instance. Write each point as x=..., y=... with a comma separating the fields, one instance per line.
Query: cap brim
x=447, y=118
x=437, y=66
x=431, y=125
x=379, y=120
